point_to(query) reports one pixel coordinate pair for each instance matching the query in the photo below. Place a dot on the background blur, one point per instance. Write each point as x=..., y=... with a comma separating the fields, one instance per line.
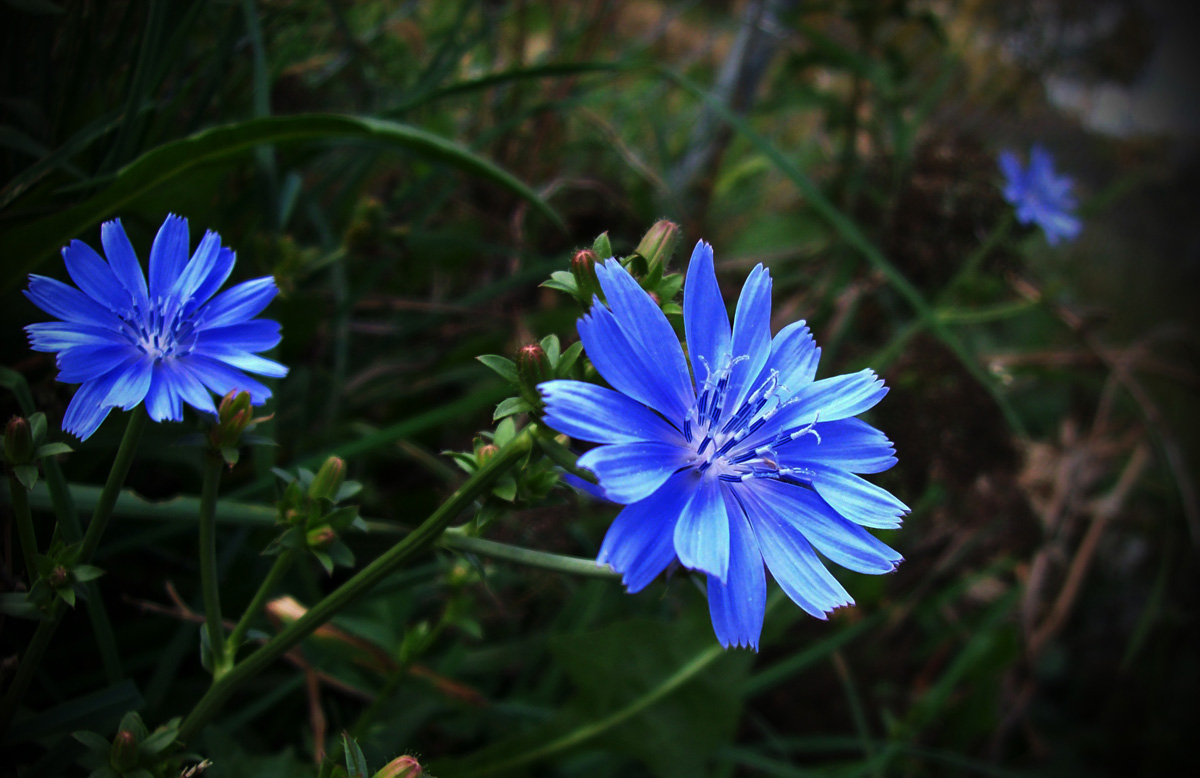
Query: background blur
x=1045, y=621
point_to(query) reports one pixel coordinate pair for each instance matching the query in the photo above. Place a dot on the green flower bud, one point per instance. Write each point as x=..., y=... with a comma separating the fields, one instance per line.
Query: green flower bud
x=401, y=767
x=533, y=366
x=328, y=480
x=658, y=245
x=59, y=577
x=124, y=754
x=321, y=538
x=583, y=268
x=234, y=415
x=485, y=452
x=18, y=442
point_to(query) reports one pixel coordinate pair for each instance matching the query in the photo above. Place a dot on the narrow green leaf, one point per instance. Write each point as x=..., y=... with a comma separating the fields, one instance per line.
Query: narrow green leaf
x=98, y=710
x=30, y=243
x=93, y=742
x=356, y=763
x=54, y=449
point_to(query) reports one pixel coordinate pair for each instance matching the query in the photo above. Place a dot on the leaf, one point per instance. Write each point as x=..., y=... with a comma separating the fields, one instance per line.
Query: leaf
x=158, y=742
x=54, y=449
x=503, y=366
x=95, y=711
x=506, y=488
x=34, y=241
x=664, y=694
x=602, y=246
x=511, y=406
x=356, y=763
x=26, y=474
x=84, y=573
x=15, y=382
x=18, y=605
x=568, y=359
x=563, y=282
x=93, y=742
x=552, y=348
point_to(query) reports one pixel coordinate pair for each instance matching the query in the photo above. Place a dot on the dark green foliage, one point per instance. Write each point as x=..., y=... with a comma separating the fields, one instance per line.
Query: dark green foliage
x=411, y=173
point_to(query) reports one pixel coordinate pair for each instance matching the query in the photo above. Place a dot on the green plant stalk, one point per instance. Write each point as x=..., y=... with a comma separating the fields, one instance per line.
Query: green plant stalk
x=280, y=567
x=976, y=257
x=390, y=686
x=20, y=503
x=209, y=589
x=112, y=487
x=104, y=505
x=29, y=663
x=417, y=541
x=64, y=507
x=557, y=563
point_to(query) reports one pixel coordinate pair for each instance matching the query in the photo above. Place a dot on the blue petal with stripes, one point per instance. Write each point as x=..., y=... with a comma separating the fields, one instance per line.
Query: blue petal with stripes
x=162, y=343
x=732, y=462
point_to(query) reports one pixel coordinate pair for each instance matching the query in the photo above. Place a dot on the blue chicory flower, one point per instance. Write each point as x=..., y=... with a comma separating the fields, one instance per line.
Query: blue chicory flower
x=165, y=343
x=1040, y=196
x=749, y=462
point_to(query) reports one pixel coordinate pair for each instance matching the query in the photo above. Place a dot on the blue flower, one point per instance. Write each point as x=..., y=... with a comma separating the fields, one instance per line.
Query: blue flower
x=165, y=343
x=1040, y=196
x=750, y=461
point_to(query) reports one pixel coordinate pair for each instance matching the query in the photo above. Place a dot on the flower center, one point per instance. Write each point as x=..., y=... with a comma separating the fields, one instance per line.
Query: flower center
x=162, y=331
x=717, y=432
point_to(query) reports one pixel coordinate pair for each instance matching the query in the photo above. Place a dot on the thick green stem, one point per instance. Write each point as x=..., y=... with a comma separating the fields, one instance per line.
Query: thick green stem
x=20, y=503
x=112, y=487
x=209, y=589
x=45, y=630
x=415, y=543
x=282, y=562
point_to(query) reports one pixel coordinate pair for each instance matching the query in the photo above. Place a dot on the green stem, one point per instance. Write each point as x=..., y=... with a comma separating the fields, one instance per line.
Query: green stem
x=112, y=487
x=20, y=503
x=416, y=542
x=564, y=458
x=558, y=563
x=209, y=589
x=104, y=505
x=976, y=257
x=29, y=663
x=282, y=562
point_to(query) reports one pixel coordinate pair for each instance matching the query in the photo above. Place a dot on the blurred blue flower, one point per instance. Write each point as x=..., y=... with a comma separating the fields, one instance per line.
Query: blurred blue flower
x=1040, y=196
x=750, y=462
x=166, y=343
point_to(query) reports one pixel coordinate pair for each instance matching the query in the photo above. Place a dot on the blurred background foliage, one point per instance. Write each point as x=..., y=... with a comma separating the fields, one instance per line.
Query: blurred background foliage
x=410, y=172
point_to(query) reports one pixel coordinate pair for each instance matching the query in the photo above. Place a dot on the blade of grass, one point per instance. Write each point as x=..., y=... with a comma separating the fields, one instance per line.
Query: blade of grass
x=33, y=242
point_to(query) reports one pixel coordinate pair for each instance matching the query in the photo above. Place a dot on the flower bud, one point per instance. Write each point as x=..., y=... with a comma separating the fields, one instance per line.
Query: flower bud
x=18, y=442
x=583, y=268
x=124, y=754
x=328, y=480
x=533, y=366
x=59, y=577
x=234, y=414
x=401, y=767
x=485, y=452
x=321, y=538
x=658, y=245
